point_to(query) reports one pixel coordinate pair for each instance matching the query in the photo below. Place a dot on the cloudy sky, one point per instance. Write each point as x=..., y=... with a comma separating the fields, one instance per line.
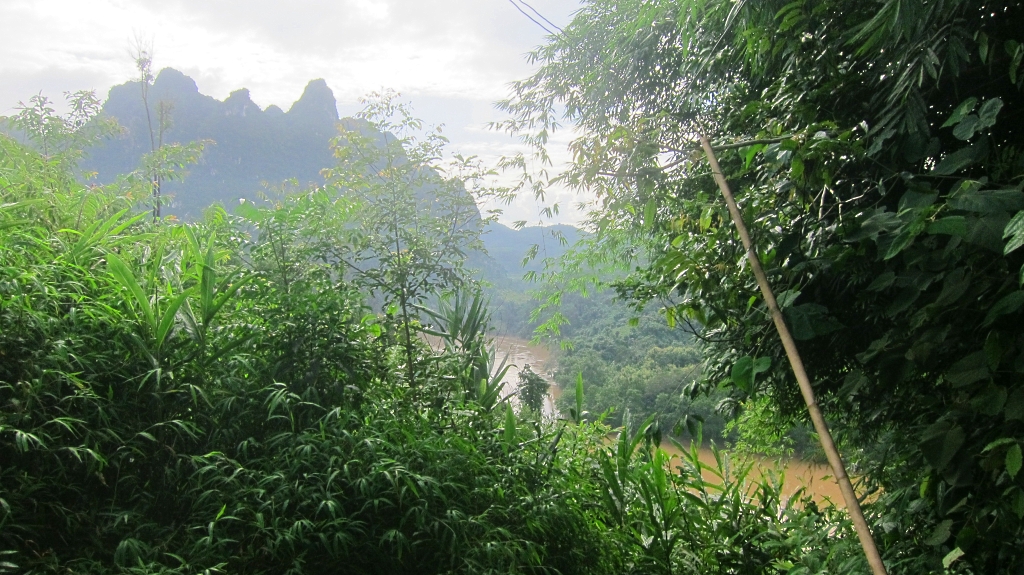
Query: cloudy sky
x=452, y=59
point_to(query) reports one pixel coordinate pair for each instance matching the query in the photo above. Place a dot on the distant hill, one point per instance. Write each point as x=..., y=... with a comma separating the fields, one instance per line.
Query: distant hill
x=254, y=146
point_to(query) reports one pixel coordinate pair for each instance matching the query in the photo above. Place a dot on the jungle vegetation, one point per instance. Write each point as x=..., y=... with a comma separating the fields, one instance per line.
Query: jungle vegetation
x=218, y=396
x=250, y=392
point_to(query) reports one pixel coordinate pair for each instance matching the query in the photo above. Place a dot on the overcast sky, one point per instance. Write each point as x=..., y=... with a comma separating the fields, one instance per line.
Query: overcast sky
x=452, y=59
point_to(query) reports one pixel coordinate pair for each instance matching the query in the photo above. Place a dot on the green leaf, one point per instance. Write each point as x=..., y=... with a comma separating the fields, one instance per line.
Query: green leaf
x=967, y=127
x=1016, y=51
x=882, y=282
x=1010, y=303
x=809, y=320
x=998, y=443
x=955, y=162
x=1015, y=232
x=762, y=364
x=951, y=557
x=125, y=277
x=961, y=111
x=988, y=112
x=167, y=321
x=248, y=210
x=796, y=170
x=1014, y=408
x=912, y=200
x=949, y=225
x=988, y=201
x=940, y=534
x=904, y=239
x=1018, y=505
x=743, y=373
x=941, y=442
x=968, y=370
x=1013, y=461
x=510, y=427
x=650, y=213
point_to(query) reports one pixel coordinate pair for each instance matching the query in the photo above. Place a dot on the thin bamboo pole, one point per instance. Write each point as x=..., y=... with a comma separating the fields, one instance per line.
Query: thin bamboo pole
x=834, y=459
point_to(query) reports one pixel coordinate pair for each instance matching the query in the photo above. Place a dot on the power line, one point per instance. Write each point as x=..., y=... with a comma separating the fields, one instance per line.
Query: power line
x=532, y=19
x=534, y=10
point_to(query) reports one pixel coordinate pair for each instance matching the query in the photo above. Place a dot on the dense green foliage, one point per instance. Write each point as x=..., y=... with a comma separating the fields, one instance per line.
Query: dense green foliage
x=876, y=152
x=643, y=369
x=184, y=397
x=217, y=397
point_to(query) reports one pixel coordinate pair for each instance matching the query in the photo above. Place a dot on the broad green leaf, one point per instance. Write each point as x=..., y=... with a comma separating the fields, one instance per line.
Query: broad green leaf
x=961, y=111
x=949, y=225
x=988, y=112
x=743, y=373
x=1018, y=505
x=761, y=365
x=1014, y=409
x=903, y=240
x=940, y=534
x=968, y=370
x=807, y=321
x=941, y=451
x=1016, y=53
x=988, y=201
x=913, y=200
x=967, y=127
x=955, y=161
x=952, y=557
x=1009, y=303
x=1013, y=461
x=882, y=282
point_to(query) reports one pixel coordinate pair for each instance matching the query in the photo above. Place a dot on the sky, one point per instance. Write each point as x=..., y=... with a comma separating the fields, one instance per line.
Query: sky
x=451, y=59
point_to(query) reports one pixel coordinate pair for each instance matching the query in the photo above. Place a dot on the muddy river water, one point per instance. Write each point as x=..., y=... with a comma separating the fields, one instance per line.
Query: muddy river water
x=796, y=473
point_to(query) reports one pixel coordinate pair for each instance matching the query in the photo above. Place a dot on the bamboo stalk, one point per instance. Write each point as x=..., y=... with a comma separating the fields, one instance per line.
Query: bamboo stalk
x=867, y=542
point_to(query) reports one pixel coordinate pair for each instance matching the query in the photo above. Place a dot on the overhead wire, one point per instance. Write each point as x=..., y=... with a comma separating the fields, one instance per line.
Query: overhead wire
x=541, y=16
x=532, y=19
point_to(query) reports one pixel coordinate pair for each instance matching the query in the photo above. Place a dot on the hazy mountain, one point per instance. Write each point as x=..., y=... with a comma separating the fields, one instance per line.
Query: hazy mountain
x=252, y=145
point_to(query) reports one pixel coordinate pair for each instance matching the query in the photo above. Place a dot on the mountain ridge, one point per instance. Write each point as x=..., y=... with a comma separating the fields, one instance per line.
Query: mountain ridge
x=252, y=145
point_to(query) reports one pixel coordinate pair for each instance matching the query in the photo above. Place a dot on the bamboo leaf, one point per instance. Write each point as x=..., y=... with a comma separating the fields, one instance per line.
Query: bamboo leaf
x=123, y=274
x=167, y=321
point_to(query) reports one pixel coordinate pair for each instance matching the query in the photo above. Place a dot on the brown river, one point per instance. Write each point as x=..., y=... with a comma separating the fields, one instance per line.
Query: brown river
x=816, y=478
